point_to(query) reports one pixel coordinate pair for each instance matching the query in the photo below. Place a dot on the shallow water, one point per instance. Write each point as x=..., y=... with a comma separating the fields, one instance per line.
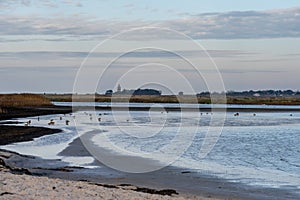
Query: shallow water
x=261, y=150
x=175, y=105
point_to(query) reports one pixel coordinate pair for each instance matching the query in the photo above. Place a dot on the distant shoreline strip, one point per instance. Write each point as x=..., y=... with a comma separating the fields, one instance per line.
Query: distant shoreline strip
x=183, y=109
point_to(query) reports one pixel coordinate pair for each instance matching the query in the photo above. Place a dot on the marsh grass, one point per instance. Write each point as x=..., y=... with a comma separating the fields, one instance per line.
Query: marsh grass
x=268, y=100
x=23, y=100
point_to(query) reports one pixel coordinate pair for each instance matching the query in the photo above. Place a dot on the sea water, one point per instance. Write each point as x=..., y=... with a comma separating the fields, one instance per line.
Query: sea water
x=261, y=149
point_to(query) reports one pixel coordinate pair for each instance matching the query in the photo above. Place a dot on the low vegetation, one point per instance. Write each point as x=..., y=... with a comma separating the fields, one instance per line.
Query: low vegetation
x=203, y=99
x=23, y=100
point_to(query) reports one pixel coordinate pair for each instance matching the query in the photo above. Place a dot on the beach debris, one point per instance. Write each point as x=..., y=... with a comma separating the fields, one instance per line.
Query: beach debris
x=60, y=118
x=236, y=114
x=38, y=119
x=61, y=169
x=168, y=192
x=125, y=185
x=291, y=115
x=67, y=122
x=99, y=119
x=6, y=193
x=14, y=170
x=105, y=185
x=254, y=114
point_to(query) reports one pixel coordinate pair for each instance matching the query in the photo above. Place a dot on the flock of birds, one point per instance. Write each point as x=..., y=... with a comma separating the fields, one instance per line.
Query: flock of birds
x=67, y=122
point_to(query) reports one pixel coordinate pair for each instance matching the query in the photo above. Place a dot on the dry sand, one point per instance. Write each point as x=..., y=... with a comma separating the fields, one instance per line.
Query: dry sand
x=15, y=187
x=15, y=184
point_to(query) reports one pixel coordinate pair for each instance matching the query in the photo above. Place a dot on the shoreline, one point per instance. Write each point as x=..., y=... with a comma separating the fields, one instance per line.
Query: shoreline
x=169, y=178
x=179, y=179
x=12, y=134
x=182, y=109
x=15, y=174
x=172, y=179
x=9, y=113
x=17, y=183
x=170, y=109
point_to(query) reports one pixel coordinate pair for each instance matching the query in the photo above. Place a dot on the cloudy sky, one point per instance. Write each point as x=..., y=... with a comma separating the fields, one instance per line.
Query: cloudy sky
x=54, y=46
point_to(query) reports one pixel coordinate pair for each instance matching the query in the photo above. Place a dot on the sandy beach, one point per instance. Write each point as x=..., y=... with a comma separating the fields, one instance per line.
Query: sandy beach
x=19, y=183
x=29, y=177
x=26, y=183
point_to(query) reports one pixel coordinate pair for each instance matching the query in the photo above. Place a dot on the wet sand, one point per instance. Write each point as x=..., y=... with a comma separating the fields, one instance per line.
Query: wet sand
x=12, y=112
x=36, y=183
x=28, y=177
x=181, y=181
x=106, y=181
x=11, y=134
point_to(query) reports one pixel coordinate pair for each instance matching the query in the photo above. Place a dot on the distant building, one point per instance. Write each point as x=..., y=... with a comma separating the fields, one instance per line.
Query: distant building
x=119, y=89
x=147, y=92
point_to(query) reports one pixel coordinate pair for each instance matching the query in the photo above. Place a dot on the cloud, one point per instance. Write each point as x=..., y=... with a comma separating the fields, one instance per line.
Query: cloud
x=12, y=4
x=240, y=71
x=4, y=4
x=136, y=54
x=129, y=5
x=246, y=24
x=229, y=25
x=32, y=25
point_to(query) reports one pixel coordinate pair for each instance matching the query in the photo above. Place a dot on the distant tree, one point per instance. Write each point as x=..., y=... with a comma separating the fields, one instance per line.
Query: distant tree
x=108, y=92
x=147, y=92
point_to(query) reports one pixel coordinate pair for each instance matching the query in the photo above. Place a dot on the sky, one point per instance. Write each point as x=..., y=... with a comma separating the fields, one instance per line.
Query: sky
x=191, y=46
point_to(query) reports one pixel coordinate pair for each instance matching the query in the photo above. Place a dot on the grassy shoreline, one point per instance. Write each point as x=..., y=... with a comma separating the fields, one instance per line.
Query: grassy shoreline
x=44, y=100
x=14, y=106
x=218, y=99
x=18, y=134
